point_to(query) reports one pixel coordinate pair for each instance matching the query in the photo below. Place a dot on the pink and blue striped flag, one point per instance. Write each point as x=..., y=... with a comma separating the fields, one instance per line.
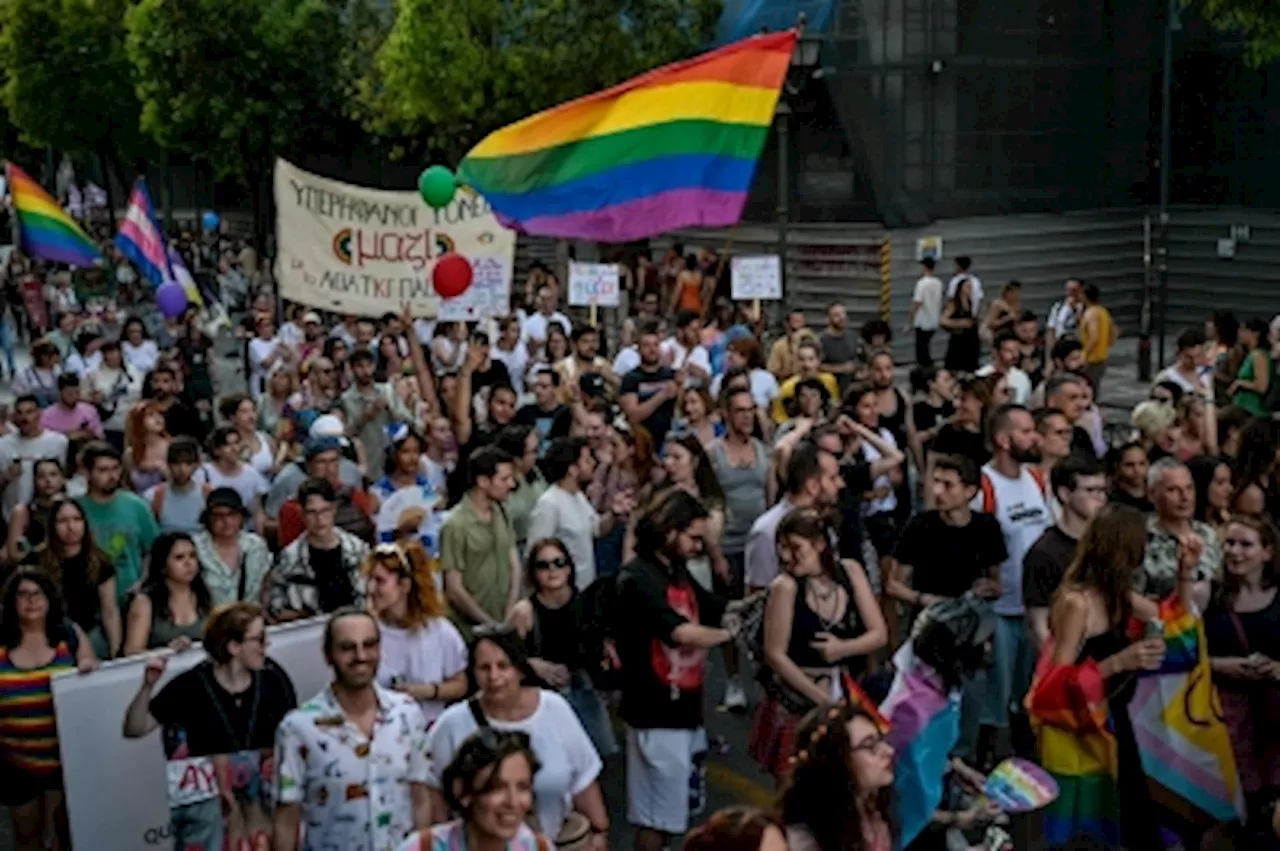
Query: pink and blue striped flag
x=141, y=240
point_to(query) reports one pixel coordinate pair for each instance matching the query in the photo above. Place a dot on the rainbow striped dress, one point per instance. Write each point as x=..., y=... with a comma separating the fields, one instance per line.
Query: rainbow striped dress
x=28, y=727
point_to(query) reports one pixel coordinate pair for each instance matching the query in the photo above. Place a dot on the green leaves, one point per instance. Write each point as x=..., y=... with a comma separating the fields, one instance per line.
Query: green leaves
x=452, y=70
x=1257, y=20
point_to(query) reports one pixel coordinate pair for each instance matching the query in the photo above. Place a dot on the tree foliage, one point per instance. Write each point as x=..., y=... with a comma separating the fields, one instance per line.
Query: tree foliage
x=67, y=81
x=1257, y=20
x=237, y=81
x=451, y=70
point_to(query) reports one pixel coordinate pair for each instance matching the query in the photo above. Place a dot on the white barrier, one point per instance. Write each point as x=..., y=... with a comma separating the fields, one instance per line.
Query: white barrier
x=116, y=788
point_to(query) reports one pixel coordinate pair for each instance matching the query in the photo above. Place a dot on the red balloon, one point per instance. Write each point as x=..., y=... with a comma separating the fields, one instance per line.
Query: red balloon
x=451, y=276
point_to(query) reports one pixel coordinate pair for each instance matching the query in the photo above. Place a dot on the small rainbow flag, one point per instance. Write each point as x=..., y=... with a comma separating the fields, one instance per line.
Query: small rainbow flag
x=676, y=147
x=45, y=231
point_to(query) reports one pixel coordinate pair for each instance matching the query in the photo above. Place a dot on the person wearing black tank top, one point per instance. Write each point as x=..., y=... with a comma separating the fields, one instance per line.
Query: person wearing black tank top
x=1093, y=617
x=554, y=623
x=821, y=621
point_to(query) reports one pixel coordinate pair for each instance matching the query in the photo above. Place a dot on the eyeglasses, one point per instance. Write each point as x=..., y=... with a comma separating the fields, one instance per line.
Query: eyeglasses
x=30, y=595
x=871, y=744
x=558, y=563
x=260, y=638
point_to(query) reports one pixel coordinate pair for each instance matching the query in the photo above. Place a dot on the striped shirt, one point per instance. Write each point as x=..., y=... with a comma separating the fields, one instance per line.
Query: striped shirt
x=28, y=727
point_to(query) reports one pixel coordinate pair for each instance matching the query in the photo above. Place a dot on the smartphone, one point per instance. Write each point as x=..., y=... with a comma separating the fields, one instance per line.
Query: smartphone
x=1155, y=629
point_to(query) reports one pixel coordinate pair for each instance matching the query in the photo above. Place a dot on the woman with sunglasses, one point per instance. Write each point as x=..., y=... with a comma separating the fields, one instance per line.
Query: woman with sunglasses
x=488, y=786
x=173, y=603
x=838, y=795
x=423, y=654
x=507, y=700
x=555, y=624
x=83, y=574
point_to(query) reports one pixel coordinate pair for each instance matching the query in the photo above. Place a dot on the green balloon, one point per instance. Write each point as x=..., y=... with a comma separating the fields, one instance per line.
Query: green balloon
x=437, y=185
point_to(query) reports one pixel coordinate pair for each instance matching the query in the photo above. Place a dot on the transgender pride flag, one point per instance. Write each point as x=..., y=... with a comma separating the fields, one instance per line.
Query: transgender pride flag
x=141, y=240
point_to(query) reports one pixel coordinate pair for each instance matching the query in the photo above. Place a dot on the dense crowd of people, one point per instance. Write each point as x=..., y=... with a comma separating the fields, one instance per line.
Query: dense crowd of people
x=523, y=529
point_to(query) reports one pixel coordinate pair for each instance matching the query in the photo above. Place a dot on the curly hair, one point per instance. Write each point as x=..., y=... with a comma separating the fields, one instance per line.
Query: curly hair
x=473, y=769
x=822, y=790
x=410, y=561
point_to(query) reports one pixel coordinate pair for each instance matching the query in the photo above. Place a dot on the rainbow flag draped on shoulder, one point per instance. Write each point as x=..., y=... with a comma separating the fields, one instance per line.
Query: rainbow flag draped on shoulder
x=676, y=147
x=45, y=231
x=1182, y=740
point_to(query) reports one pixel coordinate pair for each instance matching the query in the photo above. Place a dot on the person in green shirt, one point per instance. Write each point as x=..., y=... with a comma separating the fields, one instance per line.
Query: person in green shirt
x=121, y=522
x=1249, y=390
x=478, y=546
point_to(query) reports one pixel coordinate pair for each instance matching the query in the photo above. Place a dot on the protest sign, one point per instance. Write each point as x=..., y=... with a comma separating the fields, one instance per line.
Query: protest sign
x=351, y=249
x=119, y=790
x=593, y=284
x=757, y=277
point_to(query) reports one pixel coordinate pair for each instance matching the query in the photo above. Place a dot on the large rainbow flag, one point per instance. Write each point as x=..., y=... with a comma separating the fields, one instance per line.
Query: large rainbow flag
x=1182, y=741
x=676, y=147
x=45, y=231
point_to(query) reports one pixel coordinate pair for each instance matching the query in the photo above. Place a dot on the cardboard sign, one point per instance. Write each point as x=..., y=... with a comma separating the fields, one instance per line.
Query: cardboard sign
x=757, y=277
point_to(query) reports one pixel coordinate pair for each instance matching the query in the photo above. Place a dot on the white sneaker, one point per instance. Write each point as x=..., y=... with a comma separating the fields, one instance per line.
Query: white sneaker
x=735, y=699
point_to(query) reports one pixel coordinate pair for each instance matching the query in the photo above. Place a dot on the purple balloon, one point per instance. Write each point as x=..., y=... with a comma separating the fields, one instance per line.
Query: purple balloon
x=172, y=300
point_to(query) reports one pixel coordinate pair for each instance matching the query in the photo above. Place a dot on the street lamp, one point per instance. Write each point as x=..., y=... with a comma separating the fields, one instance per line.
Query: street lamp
x=803, y=60
x=1172, y=24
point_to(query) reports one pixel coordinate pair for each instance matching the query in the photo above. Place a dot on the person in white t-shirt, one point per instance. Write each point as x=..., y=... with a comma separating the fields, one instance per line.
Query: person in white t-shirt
x=228, y=471
x=508, y=699
x=963, y=266
x=534, y=332
x=1185, y=370
x=423, y=654
x=1064, y=316
x=21, y=449
x=563, y=511
x=684, y=350
x=1006, y=351
x=926, y=311
x=113, y=386
x=265, y=351
x=139, y=351
x=508, y=351
x=1014, y=491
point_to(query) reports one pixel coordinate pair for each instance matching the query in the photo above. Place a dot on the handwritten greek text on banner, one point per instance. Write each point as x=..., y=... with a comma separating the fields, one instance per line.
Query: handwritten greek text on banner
x=351, y=249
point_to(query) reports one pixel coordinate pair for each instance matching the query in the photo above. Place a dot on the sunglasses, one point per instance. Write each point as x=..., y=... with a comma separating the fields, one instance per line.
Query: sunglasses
x=557, y=563
x=492, y=630
x=496, y=741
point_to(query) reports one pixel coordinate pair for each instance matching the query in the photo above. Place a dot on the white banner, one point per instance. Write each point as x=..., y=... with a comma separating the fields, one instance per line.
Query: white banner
x=758, y=277
x=351, y=249
x=593, y=284
x=117, y=788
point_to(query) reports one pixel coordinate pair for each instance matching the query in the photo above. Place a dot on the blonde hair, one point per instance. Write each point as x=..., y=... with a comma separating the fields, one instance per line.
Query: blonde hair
x=1152, y=417
x=410, y=561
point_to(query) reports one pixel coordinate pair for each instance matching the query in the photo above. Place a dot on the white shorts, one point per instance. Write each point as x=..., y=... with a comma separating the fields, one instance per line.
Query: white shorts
x=665, y=778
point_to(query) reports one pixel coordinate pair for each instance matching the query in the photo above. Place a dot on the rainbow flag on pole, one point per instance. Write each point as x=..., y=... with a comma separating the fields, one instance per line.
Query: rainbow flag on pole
x=45, y=231
x=141, y=239
x=676, y=147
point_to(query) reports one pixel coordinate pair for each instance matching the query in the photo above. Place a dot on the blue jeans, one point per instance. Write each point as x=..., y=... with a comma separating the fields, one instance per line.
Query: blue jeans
x=589, y=706
x=197, y=826
x=7, y=344
x=1009, y=676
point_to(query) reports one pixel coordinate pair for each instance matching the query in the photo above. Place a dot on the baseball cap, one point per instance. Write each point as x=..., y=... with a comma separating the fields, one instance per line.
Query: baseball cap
x=329, y=427
x=310, y=316
x=319, y=445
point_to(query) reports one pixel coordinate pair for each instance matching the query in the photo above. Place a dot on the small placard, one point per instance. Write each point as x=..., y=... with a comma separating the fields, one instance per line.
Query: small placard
x=929, y=247
x=757, y=277
x=1226, y=248
x=593, y=284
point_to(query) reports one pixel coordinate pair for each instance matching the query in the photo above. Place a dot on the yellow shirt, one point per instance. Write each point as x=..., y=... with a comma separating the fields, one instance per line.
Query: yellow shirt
x=788, y=391
x=1095, y=333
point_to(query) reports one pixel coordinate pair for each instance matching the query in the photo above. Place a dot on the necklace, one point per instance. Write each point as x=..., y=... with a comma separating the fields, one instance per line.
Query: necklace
x=241, y=742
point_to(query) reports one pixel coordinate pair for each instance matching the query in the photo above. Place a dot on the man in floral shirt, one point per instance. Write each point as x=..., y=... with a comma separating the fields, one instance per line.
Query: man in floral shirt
x=1173, y=493
x=352, y=761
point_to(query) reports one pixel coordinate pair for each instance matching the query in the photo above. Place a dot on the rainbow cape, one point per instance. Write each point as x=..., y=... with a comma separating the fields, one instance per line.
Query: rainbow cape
x=1182, y=740
x=45, y=231
x=676, y=147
